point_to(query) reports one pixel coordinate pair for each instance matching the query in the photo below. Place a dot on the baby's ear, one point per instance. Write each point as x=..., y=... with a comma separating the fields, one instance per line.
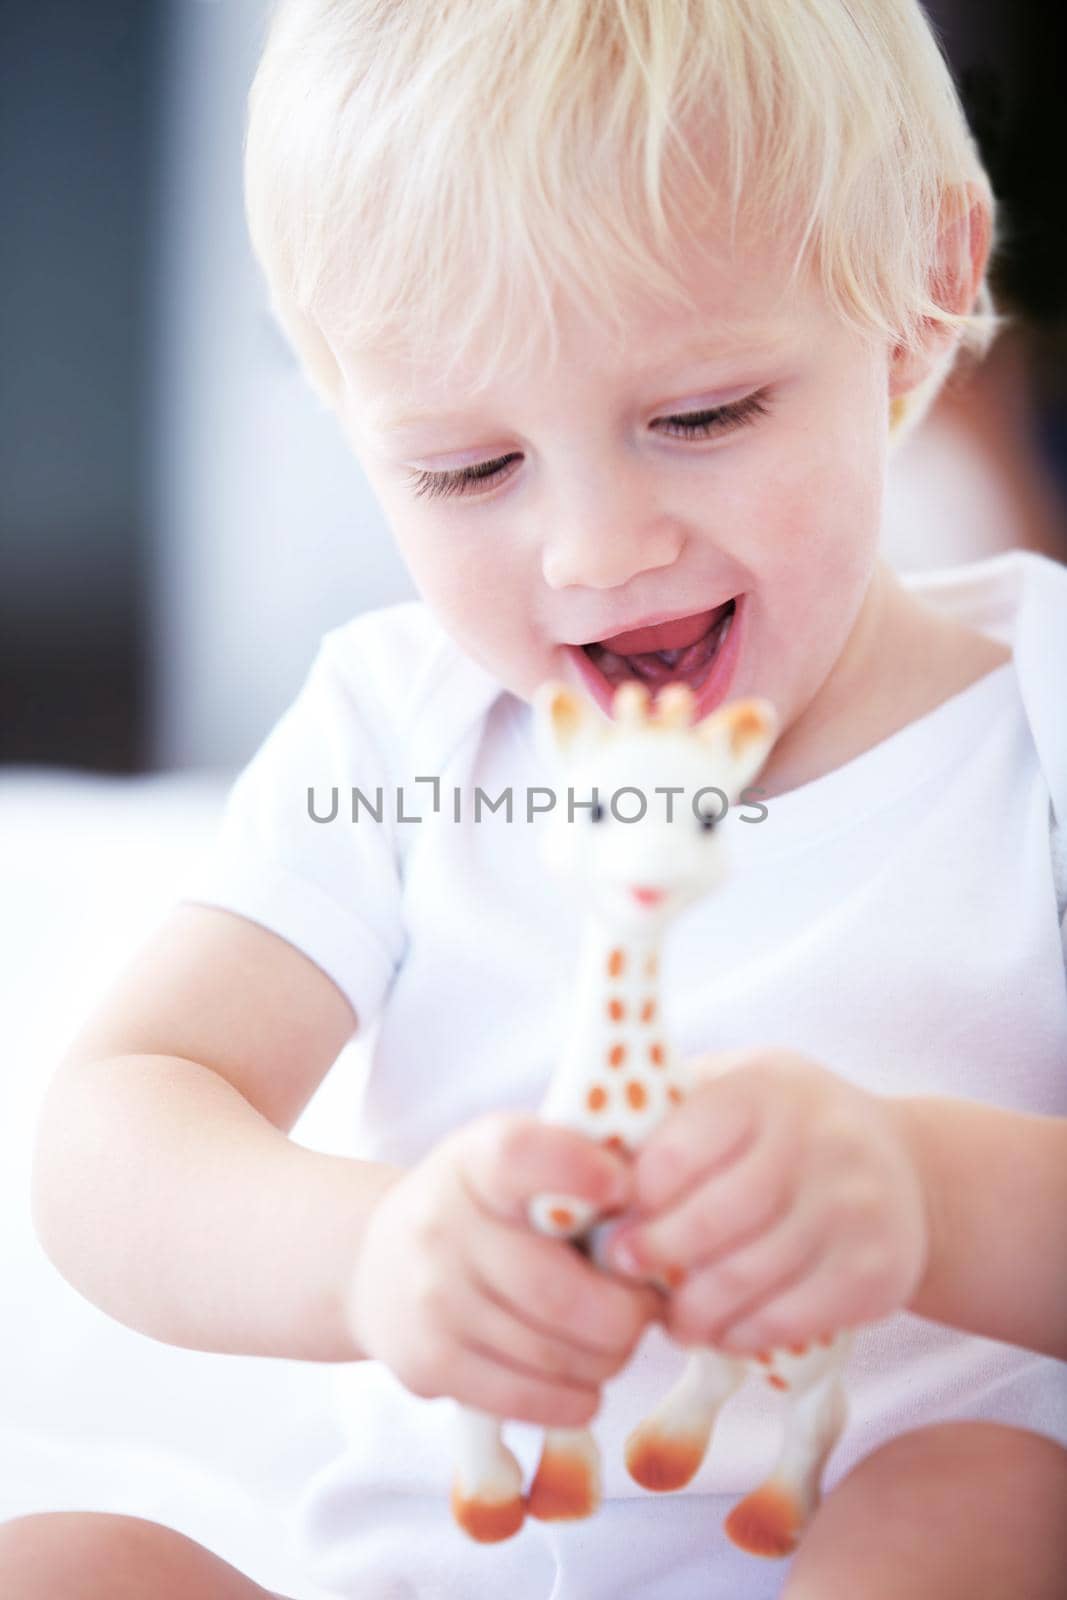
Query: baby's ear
x=955, y=278
x=564, y=720
x=741, y=735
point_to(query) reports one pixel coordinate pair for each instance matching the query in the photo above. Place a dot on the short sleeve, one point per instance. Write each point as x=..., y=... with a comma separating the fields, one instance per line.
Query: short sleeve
x=295, y=855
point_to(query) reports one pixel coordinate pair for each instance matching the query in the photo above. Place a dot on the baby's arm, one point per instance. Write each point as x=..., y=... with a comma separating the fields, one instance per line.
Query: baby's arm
x=166, y=1191
x=164, y=1186
x=996, y=1190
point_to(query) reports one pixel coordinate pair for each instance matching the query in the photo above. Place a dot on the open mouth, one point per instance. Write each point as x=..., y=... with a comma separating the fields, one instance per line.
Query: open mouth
x=688, y=663
x=699, y=650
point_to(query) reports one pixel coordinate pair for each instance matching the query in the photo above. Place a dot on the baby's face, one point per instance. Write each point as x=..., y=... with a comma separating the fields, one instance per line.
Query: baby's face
x=605, y=513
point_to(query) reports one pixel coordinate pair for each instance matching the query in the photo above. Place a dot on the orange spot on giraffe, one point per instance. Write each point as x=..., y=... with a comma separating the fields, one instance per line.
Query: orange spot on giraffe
x=777, y=1381
x=648, y=1011
x=616, y=1010
x=675, y=1095
x=561, y=1217
x=655, y=1054
x=616, y=963
x=636, y=1094
x=826, y=1338
x=616, y=1055
x=597, y=1098
x=614, y=1142
x=799, y=1349
x=765, y=1356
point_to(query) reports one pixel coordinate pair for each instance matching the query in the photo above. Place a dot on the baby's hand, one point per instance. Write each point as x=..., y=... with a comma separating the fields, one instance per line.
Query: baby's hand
x=779, y=1202
x=458, y=1295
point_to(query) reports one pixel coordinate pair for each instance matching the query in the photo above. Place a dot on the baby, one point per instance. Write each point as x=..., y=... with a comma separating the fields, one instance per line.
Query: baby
x=620, y=304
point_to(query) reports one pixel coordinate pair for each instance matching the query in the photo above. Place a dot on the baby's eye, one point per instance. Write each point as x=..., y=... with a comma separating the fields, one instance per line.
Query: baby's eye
x=432, y=484
x=693, y=425
x=706, y=422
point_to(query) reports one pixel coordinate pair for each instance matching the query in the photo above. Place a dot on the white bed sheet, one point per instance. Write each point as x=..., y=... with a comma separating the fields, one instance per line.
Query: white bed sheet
x=93, y=1415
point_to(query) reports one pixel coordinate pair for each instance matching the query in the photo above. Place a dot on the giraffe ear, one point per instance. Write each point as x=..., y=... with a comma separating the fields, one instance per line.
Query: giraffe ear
x=741, y=735
x=565, y=719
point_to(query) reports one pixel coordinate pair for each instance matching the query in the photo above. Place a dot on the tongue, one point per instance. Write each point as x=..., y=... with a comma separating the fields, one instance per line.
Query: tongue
x=664, y=636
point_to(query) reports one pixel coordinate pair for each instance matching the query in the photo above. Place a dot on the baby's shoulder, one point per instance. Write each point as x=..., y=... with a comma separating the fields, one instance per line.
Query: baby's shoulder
x=1012, y=606
x=405, y=677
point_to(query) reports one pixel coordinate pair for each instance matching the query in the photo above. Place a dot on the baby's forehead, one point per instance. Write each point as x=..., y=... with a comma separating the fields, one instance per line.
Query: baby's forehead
x=732, y=304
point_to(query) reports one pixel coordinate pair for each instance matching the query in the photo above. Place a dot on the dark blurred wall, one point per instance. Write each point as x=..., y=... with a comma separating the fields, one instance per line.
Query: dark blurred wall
x=1008, y=61
x=1008, y=58
x=77, y=121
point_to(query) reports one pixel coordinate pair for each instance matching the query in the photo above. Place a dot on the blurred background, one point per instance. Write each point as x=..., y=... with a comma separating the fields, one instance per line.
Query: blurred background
x=179, y=523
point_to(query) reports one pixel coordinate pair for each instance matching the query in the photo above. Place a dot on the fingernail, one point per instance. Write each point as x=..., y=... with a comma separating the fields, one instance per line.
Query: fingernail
x=624, y=1255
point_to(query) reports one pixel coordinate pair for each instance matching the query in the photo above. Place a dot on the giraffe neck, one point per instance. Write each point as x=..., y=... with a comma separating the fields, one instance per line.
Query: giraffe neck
x=614, y=1076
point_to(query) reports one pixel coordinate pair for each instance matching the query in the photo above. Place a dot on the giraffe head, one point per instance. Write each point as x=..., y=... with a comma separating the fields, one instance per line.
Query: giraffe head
x=636, y=867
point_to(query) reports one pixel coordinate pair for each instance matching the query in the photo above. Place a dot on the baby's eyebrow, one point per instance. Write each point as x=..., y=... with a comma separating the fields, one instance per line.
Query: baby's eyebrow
x=724, y=350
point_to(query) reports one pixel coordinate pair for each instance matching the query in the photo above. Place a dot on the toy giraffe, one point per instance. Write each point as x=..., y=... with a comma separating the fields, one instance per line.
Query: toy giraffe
x=618, y=1077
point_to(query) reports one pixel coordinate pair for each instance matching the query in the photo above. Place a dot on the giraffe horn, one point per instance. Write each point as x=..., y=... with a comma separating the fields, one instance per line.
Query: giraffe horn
x=675, y=706
x=630, y=705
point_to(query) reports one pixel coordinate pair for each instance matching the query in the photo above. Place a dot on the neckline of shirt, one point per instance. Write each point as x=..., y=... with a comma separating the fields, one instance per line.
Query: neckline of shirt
x=886, y=772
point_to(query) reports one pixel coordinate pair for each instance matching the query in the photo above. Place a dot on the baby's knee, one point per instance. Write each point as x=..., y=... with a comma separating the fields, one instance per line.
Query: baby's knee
x=967, y=1509
x=98, y=1555
x=945, y=1457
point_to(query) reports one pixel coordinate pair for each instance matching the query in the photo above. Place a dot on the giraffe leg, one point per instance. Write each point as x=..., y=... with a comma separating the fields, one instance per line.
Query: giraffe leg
x=770, y=1520
x=566, y=1485
x=487, y=1499
x=665, y=1451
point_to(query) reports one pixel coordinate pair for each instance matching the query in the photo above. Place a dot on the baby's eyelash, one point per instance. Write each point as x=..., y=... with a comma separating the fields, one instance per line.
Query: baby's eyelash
x=694, y=424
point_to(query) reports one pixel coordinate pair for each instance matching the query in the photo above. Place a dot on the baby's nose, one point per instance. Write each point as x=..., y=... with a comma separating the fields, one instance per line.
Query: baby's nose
x=608, y=555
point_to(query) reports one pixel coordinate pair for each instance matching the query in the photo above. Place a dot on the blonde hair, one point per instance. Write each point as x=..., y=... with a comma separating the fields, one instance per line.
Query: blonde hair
x=420, y=172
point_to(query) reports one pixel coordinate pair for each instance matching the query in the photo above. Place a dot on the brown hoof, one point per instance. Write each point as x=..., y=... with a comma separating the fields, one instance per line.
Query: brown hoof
x=767, y=1522
x=663, y=1461
x=488, y=1521
x=564, y=1489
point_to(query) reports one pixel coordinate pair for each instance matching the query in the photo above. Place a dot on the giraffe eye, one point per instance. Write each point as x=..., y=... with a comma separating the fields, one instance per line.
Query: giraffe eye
x=597, y=813
x=707, y=822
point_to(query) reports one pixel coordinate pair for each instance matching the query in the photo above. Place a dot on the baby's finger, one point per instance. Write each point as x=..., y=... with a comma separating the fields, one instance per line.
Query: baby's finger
x=715, y=1216
x=716, y=1297
x=481, y=1378
x=839, y=1290
x=712, y=1129
x=550, y=1286
x=482, y=1318
x=508, y=1158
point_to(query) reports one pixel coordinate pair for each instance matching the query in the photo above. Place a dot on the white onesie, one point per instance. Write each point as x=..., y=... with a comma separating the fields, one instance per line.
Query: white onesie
x=896, y=920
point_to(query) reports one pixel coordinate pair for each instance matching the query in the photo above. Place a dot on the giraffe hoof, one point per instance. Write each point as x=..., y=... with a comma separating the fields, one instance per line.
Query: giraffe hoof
x=565, y=1488
x=663, y=1461
x=488, y=1521
x=767, y=1522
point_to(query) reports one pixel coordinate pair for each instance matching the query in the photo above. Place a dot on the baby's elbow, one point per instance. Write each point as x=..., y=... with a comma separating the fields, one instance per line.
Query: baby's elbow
x=55, y=1199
